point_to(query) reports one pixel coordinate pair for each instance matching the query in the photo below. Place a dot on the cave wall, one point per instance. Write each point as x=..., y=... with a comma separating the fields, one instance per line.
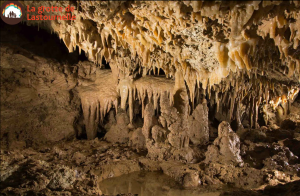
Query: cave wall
x=173, y=73
x=205, y=92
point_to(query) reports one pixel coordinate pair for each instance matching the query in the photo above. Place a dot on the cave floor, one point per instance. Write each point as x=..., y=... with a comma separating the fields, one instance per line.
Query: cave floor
x=96, y=167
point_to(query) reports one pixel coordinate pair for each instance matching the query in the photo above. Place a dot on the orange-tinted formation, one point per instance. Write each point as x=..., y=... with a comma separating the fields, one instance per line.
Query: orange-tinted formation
x=204, y=91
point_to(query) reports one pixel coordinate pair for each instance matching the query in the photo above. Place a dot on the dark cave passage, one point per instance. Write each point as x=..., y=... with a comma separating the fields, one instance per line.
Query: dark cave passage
x=40, y=42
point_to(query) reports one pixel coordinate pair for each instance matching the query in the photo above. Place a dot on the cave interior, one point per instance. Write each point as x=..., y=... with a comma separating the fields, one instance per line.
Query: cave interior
x=152, y=98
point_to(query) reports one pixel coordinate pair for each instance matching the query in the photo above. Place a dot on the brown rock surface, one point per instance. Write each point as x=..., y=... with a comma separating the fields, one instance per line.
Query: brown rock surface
x=226, y=147
x=205, y=92
x=198, y=125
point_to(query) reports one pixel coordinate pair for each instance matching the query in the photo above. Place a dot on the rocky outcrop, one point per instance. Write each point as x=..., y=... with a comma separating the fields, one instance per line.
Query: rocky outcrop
x=226, y=147
x=119, y=132
x=191, y=180
x=198, y=125
x=168, y=138
x=38, y=104
x=137, y=140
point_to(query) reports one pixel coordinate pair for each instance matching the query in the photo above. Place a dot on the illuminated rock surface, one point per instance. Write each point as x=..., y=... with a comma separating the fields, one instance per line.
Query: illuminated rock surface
x=204, y=92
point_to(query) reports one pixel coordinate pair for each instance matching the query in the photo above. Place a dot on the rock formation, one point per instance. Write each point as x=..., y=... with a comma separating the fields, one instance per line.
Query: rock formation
x=226, y=148
x=204, y=91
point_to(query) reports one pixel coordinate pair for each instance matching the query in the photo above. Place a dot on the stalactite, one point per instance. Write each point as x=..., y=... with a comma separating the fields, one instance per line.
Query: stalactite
x=148, y=86
x=97, y=99
x=240, y=64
